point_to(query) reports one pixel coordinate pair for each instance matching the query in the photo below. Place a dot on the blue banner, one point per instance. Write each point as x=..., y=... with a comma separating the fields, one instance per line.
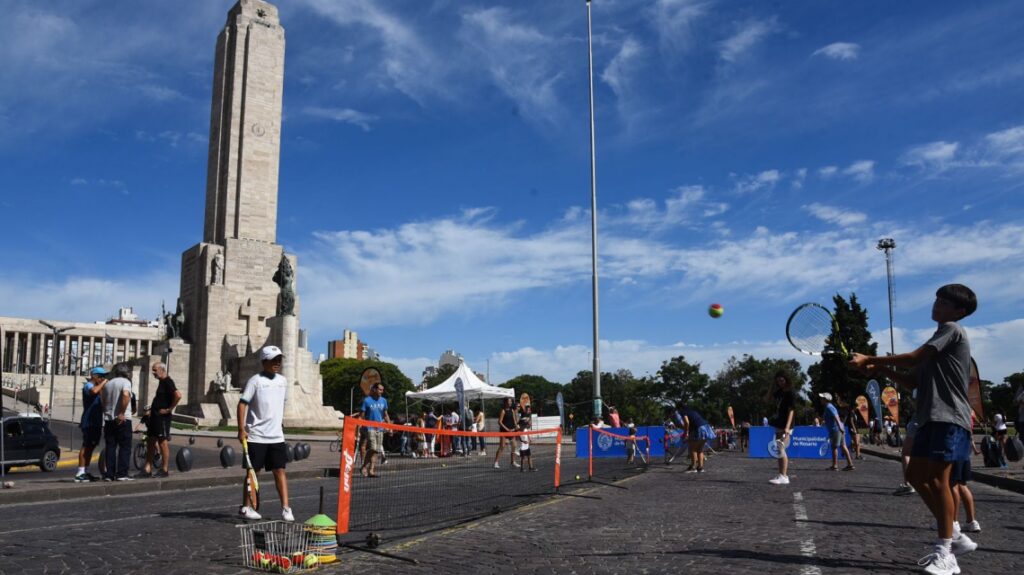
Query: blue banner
x=808, y=442
x=605, y=446
x=876, y=398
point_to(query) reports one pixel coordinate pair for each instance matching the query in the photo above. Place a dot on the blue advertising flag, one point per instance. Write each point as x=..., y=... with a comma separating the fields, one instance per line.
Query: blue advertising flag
x=876, y=398
x=460, y=396
x=560, y=402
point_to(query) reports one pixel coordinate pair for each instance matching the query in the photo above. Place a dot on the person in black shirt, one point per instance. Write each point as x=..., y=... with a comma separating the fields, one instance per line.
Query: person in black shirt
x=159, y=421
x=782, y=395
x=507, y=423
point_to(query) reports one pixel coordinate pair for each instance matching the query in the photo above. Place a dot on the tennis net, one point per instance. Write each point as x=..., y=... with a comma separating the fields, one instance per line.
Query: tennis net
x=614, y=456
x=443, y=479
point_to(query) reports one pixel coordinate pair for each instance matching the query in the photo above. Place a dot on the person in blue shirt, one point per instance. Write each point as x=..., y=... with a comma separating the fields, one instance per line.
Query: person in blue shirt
x=92, y=422
x=836, y=433
x=374, y=408
x=698, y=432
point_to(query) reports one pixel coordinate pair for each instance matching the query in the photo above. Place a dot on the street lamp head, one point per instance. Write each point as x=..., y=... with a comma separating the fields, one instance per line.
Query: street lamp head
x=886, y=244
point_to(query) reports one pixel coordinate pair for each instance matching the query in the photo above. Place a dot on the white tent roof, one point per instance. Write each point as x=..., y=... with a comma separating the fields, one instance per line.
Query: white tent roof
x=472, y=386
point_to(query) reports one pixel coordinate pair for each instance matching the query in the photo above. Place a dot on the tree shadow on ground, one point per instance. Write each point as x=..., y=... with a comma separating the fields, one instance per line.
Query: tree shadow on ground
x=856, y=524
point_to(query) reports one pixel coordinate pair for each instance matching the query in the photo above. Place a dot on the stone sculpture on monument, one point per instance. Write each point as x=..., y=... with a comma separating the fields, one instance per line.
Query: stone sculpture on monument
x=238, y=286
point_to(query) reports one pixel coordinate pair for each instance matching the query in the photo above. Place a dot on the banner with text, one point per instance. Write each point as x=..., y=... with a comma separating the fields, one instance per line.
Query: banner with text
x=808, y=442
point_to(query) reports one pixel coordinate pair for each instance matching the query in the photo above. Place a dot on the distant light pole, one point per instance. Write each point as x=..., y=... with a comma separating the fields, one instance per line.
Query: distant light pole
x=53, y=361
x=887, y=245
x=593, y=218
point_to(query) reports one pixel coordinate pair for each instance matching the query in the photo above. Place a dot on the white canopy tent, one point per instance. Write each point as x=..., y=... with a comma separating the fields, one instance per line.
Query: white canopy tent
x=472, y=386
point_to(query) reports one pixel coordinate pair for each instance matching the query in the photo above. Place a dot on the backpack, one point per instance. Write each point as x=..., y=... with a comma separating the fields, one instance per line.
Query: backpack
x=135, y=404
x=990, y=451
x=1014, y=449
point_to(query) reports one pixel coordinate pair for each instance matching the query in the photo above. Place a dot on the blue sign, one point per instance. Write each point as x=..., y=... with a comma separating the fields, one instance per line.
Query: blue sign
x=808, y=442
x=876, y=398
x=606, y=446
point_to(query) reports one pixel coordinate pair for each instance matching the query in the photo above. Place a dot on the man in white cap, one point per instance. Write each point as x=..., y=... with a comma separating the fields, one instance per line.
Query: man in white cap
x=836, y=433
x=260, y=411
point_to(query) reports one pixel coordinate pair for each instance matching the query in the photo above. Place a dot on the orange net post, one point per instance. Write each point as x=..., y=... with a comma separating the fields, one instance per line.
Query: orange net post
x=346, y=466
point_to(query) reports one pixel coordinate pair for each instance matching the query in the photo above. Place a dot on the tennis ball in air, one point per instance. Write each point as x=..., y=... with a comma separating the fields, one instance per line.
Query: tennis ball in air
x=577, y=477
x=716, y=310
x=310, y=561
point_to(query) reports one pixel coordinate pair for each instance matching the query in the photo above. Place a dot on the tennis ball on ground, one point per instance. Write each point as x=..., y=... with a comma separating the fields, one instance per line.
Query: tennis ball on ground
x=577, y=477
x=265, y=561
x=297, y=558
x=310, y=561
x=444, y=465
x=716, y=310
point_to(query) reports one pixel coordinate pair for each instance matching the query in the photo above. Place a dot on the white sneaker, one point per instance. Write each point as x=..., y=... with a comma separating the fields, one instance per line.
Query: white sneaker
x=514, y=464
x=690, y=470
x=249, y=513
x=286, y=514
x=972, y=527
x=939, y=564
x=496, y=466
x=779, y=480
x=963, y=545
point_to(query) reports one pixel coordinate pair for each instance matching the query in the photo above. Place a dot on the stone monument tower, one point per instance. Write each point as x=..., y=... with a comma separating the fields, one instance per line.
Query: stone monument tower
x=238, y=285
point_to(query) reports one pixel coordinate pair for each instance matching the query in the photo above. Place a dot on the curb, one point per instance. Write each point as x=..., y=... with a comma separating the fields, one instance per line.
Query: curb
x=71, y=491
x=1007, y=483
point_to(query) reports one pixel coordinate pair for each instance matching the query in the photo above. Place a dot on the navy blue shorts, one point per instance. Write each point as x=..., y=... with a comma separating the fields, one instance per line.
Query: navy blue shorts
x=91, y=436
x=941, y=441
x=961, y=472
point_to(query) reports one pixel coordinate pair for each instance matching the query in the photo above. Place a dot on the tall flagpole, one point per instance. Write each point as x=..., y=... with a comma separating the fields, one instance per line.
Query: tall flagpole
x=593, y=219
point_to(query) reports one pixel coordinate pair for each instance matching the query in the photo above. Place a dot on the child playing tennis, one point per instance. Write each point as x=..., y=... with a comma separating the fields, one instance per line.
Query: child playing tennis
x=631, y=445
x=943, y=440
x=525, y=459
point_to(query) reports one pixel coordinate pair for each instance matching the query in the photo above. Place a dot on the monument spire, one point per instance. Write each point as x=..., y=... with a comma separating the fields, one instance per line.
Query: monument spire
x=245, y=126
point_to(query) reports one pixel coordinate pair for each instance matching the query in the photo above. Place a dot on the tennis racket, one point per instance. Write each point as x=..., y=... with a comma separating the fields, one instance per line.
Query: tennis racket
x=252, y=485
x=813, y=330
x=777, y=447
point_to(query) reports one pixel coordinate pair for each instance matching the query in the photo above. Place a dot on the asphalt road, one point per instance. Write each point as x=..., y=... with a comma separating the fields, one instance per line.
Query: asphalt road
x=728, y=520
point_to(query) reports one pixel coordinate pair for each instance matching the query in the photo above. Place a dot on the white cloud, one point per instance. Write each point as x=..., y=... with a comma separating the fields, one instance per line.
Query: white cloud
x=799, y=178
x=748, y=35
x=344, y=115
x=836, y=215
x=409, y=62
x=675, y=20
x=765, y=180
x=686, y=206
x=84, y=298
x=1007, y=147
x=827, y=171
x=839, y=51
x=521, y=60
x=863, y=171
x=934, y=156
x=621, y=76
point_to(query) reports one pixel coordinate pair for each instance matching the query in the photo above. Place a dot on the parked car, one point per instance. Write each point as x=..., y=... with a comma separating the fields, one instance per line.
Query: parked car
x=29, y=441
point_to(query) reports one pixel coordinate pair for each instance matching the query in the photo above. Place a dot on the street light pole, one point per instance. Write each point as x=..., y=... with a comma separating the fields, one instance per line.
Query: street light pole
x=53, y=361
x=593, y=218
x=887, y=245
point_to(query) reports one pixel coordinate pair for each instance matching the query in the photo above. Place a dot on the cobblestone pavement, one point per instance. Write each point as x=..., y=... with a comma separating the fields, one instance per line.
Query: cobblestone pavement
x=728, y=520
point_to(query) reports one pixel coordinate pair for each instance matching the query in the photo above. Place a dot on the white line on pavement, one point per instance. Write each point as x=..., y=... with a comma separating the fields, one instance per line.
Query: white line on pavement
x=807, y=548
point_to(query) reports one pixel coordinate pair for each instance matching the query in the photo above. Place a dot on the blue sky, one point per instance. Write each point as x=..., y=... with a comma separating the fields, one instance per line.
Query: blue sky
x=435, y=170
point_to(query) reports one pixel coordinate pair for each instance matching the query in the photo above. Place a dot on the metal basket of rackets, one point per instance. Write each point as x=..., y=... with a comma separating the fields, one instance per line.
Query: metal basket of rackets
x=277, y=546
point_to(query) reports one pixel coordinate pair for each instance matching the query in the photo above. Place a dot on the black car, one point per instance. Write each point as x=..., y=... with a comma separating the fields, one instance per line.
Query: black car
x=29, y=441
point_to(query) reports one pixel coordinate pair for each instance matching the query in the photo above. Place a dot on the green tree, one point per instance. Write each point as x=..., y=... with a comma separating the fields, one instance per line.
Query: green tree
x=831, y=373
x=1000, y=397
x=541, y=391
x=341, y=382
x=743, y=383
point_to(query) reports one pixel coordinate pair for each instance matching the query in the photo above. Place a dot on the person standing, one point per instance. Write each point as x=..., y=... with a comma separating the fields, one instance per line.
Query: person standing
x=260, y=415
x=781, y=392
x=116, y=396
x=613, y=417
x=480, y=426
x=943, y=439
x=158, y=426
x=507, y=423
x=375, y=409
x=698, y=433
x=91, y=423
x=836, y=433
x=999, y=425
x=853, y=424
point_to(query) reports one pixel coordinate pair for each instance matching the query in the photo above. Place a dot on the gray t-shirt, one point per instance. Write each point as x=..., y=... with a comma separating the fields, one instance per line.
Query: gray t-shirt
x=942, y=381
x=111, y=396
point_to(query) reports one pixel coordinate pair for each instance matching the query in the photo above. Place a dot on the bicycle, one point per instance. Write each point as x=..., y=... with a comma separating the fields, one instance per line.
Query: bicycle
x=139, y=451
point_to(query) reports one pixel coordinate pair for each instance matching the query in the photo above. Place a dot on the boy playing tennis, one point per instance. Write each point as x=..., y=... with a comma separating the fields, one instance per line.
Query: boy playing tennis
x=525, y=458
x=943, y=439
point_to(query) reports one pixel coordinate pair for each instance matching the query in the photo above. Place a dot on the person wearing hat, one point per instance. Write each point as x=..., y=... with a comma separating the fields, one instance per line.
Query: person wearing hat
x=91, y=423
x=260, y=413
x=836, y=433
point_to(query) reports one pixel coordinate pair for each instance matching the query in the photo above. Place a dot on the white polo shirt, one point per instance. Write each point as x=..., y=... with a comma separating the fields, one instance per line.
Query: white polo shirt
x=265, y=398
